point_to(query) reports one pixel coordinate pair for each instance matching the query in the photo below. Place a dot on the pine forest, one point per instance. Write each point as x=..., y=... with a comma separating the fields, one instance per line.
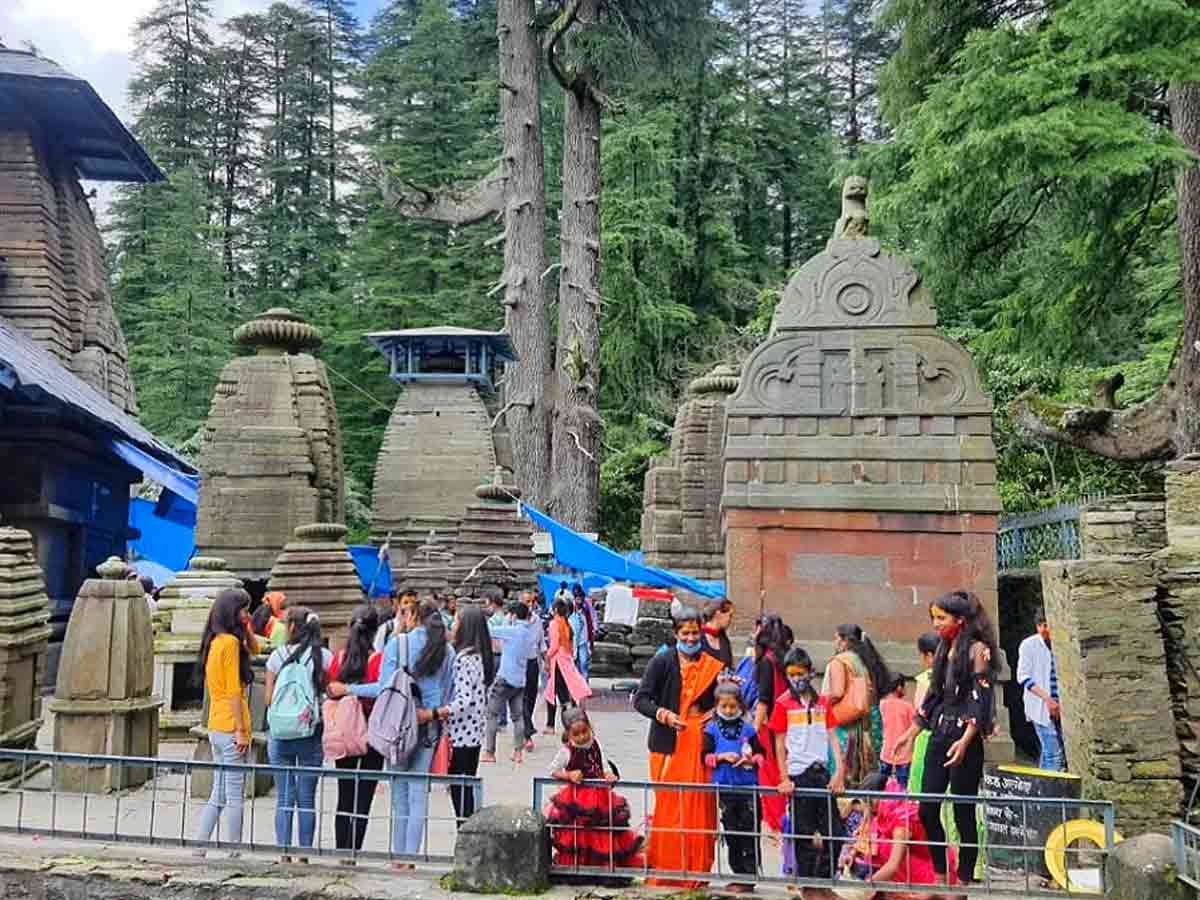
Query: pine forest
x=626, y=185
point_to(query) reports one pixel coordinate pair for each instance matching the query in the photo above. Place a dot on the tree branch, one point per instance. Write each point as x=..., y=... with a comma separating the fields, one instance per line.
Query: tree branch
x=579, y=446
x=567, y=78
x=1145, y=431
x=453, y=205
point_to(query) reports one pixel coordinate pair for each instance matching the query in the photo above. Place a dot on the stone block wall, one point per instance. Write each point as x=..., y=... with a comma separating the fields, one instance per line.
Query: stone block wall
x=1120, y=736
x=1132, y=525
x=681, y=520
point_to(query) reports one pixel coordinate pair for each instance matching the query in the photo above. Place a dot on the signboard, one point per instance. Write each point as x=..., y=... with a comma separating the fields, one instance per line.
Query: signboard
x=1012, y=825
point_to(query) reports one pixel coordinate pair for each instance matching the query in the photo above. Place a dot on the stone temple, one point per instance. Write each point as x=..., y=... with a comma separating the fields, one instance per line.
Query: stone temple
x=859, y=468
x=272, y=452
x=681, y=521
x=440, y=443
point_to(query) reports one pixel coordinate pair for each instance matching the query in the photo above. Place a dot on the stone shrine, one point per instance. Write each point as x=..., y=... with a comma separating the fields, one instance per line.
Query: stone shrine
x=316, y=570
x=183, y=607
x=494, y=547
x=430, y=569
x=102, y=703
x=681, y=521
x=859, y=469
x=272, y=453
x=24, y=631
x=440, y=441
x=54, y=129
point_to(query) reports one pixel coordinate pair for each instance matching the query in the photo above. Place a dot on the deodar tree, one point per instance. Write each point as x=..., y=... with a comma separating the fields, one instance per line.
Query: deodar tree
x=1049, y=182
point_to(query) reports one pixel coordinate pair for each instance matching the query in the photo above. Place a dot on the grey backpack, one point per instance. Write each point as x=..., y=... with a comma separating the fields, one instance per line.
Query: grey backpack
x=393, y=730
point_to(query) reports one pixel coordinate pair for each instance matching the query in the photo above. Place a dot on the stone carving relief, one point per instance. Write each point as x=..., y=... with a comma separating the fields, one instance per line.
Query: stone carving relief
x=853, y=284
x=839, y=373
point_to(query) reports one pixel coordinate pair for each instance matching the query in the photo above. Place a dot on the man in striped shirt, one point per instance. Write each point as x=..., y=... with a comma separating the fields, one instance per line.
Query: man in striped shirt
x=1038, y=677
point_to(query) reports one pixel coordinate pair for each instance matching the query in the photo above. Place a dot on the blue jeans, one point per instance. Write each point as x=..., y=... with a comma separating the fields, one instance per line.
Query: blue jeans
x=228, y=792
x=295, y=793
x=1052, y=759
x=410, y=799
x=900, y=773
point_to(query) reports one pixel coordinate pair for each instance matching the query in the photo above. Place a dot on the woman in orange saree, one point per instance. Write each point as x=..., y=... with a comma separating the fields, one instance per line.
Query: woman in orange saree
x=676, y=693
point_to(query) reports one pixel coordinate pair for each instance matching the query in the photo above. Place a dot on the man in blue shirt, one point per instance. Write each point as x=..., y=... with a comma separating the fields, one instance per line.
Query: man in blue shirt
x=517, y=640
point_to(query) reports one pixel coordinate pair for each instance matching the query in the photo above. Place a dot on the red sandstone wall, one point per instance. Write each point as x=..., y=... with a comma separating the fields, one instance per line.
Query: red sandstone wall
x=879, y=570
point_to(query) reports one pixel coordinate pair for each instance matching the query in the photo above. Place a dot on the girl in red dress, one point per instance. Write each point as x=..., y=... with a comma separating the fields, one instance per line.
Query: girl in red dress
x=589, y=823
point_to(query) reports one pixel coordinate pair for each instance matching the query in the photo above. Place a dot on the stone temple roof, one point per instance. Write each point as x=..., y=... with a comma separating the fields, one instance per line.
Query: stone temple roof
x=75, y=116
x=34, y=373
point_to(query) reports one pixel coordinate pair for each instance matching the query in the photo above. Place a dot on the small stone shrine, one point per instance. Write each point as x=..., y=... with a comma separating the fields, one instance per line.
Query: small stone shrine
x=494, y=547
x=102, y=703
x=183, y=607
x=681, y=521
x=316, y=570
x=24, y=631
x=859, y=469
x=440, y=441
x=430, y=569
x=272, y=453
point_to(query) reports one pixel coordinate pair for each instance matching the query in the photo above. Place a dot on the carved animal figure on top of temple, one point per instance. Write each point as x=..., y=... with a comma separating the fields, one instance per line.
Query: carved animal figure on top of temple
x=854, y=220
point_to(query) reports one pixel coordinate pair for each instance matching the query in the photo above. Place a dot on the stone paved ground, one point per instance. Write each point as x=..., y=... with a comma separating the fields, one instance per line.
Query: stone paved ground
x=164, y=812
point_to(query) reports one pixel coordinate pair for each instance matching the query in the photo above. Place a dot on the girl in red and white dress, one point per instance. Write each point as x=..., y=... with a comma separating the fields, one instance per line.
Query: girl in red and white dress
x=589, y=823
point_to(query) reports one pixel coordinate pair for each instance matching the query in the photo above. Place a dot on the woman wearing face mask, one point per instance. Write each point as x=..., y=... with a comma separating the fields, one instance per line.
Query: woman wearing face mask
x=772, y=641
x=676, y=694
x=853, y=681
x=958, y=712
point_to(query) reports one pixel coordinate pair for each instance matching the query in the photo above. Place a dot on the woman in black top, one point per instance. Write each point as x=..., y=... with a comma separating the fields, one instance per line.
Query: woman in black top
x=958, y=711
x=718, y=614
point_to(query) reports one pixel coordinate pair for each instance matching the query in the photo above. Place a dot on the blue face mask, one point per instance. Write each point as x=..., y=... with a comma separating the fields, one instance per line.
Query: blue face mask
x=688, y=648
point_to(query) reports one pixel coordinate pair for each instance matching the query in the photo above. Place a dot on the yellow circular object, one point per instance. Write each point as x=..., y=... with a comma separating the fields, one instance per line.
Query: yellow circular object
x=1061, y=838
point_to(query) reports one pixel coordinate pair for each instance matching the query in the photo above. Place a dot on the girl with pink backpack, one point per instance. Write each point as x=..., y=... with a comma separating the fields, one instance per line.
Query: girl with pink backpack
x=346, y=730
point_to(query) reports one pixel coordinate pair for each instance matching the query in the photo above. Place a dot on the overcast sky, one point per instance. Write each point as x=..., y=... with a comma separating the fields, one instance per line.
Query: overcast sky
x=92, y=38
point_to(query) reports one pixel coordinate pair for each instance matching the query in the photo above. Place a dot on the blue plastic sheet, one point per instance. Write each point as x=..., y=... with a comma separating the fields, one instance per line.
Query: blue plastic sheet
x=162, y=540
x=574, y=551
x=375, y=575
x=185, y=485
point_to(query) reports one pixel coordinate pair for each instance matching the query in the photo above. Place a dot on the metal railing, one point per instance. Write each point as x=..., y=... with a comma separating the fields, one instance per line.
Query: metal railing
x=1025, y=539
x=1187, y=852
x=149, y=802
x=1008, y=868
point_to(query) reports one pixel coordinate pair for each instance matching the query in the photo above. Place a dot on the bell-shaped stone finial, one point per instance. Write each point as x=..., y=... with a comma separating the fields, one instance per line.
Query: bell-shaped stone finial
x=113, y=569
x=277, y=331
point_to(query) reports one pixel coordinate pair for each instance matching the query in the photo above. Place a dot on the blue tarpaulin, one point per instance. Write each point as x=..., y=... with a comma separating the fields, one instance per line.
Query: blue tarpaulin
x=163, y=540
x=573, y=551
x=370, y=568
x=185, y=485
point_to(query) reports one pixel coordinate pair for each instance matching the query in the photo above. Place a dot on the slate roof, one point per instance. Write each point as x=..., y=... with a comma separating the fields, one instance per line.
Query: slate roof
x=35, y=374
x=72, y=113
x=499, y=341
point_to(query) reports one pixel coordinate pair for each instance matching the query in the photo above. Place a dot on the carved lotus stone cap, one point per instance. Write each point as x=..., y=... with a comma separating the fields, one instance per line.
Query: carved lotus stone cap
x=113, y=569
x=278, y=329
x=498, y=491
x=721, y=380
x=321, y=532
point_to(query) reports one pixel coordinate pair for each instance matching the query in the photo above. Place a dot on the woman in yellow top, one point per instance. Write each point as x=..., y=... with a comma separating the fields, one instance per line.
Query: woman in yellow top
x=225, y=659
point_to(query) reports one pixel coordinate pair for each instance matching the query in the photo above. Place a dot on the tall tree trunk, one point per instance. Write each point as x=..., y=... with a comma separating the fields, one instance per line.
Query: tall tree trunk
x=1185, y=119
x=527, y=403
x=576, y=434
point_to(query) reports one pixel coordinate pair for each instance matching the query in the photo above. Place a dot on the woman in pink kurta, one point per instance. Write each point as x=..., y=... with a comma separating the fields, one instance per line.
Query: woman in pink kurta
x=564, y=684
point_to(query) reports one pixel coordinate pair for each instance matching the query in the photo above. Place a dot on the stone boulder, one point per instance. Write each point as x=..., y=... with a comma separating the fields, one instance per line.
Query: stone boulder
x=1143, y=868
x=502, y=850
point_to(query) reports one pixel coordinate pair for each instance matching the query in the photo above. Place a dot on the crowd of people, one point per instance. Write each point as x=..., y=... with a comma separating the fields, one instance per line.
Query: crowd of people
x=774, y=746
